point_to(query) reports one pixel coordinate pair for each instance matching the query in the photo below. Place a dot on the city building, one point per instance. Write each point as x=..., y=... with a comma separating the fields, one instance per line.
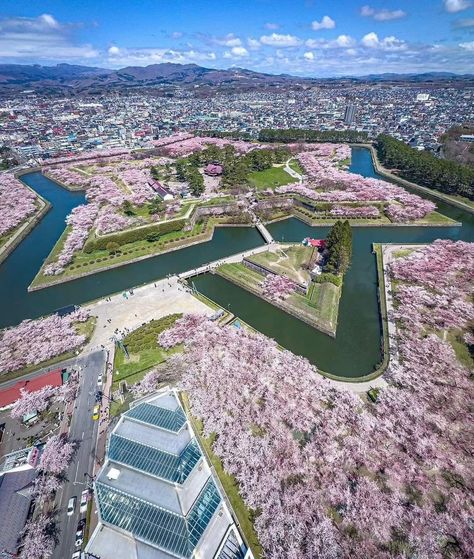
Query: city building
x=349, y=114
x=156, y=495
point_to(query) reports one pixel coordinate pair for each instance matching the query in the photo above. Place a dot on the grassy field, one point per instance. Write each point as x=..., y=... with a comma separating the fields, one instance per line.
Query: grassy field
x=100, y=259
x=228, y=482
x=270, y=178
x=294, y=164
x=143, y=349
x=320, y=311
x=288, y=262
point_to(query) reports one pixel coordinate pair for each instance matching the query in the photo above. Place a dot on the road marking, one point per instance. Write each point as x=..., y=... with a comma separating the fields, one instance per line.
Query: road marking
x=77, y=469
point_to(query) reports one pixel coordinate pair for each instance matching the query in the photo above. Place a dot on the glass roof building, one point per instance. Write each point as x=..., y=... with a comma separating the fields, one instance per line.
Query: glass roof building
x=156, y=495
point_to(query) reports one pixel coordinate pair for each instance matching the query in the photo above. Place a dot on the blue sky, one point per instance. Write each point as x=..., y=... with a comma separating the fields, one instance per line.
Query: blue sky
x=301, y=37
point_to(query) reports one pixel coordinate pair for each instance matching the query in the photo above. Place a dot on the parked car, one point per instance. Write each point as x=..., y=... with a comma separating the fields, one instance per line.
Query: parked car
x=71, y=506
x=99, y=380
x=79, y=537
x=84, y=499
x=96, y=412
x=76, y=555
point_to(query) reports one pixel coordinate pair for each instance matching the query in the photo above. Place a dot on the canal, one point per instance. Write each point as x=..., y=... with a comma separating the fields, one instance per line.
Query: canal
x=356, y=350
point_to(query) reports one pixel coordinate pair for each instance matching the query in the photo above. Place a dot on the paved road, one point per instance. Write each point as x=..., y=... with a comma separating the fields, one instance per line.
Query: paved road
x=83, y=430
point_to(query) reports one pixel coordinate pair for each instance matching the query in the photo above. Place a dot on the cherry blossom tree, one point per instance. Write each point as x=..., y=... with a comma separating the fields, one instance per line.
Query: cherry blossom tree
x=32, y=402
x=330, y=475
x=56, y=455
x=276, y=287
x=38, y=538
x=17, y=202
x=35, y=341
x=148, y=384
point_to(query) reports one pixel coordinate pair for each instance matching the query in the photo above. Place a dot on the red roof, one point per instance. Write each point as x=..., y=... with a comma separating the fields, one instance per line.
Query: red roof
x=11, y=394
x=321, y=243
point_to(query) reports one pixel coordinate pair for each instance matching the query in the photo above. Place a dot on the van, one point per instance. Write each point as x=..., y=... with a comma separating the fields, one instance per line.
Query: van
x=71, y=506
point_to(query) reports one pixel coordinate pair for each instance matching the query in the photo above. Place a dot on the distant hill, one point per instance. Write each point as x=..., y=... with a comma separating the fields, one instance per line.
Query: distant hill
x=66, y=76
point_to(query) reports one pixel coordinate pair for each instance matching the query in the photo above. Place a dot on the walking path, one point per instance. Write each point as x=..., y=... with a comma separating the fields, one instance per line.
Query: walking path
x=227, y=260
x=131, y=309
x=292, y=172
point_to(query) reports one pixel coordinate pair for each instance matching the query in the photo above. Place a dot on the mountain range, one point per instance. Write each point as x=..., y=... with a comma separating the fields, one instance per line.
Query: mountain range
x=74, y=77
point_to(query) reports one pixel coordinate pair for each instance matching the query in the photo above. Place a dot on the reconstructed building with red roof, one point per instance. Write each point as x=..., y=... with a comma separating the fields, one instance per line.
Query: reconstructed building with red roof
x=11, y=394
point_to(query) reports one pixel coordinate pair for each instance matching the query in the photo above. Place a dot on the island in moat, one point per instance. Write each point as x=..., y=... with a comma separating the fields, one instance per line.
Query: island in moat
x=143, y=203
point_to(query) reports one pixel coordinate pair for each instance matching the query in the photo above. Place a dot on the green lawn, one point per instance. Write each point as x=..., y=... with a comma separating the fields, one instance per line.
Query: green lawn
x=294, y=164
x=100, y=259
x=434, y=217
x=270, y=178
x=321, y=311
x=143, y=349
x=288, y=261
x=460, y=349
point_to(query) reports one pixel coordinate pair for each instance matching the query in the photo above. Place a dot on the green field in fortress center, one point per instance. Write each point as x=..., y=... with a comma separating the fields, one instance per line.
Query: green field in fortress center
x=355, y=352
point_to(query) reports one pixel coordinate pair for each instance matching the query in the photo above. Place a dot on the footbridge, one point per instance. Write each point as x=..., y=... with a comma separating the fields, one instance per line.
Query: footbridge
x=264, y=232
x=211, y=266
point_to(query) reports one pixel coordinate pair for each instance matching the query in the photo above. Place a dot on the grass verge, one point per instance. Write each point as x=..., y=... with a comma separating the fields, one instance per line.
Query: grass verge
x=228, y=482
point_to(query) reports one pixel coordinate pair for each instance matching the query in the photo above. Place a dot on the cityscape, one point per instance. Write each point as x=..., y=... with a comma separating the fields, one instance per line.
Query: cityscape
x=237, y=267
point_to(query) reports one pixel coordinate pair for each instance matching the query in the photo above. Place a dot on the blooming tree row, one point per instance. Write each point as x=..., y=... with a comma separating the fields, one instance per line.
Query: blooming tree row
x=16, y=202
x=325, y=182
x=35, y=341
x=38, y=538
x=329, y=475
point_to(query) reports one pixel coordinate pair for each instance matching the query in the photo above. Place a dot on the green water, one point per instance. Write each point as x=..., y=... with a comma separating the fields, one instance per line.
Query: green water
x=355, y=352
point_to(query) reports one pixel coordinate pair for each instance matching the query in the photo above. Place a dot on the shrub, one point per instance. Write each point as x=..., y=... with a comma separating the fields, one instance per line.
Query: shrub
x=133, y=235
x=329, y=278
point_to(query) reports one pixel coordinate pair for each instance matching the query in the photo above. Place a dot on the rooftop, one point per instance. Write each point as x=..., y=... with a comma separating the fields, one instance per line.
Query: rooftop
x=156, y=491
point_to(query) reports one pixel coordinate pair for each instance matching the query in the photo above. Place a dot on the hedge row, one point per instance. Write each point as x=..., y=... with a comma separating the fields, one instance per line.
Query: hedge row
x=329, y=278
x=133, y=235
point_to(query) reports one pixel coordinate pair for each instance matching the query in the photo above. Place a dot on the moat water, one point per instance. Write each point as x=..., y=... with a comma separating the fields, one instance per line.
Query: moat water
x=356, y=350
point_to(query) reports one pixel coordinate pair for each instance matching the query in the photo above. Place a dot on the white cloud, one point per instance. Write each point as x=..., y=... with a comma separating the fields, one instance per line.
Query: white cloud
x=239, y=52
x=325, y=23
x=176, y=35
x=145, y=56
x=272, y=26
x=49, y=21
x=40, y=39
x=344, y=41
x=253, y=43
x=277, y=40
x=454, y=6
x=229, y=40
x=382, y=14
x=371, y=40
x=467, y=46
x=464, y=23
x=309, y=55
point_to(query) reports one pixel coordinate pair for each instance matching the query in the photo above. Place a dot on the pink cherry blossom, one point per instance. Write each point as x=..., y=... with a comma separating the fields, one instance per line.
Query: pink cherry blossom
x=34, y=341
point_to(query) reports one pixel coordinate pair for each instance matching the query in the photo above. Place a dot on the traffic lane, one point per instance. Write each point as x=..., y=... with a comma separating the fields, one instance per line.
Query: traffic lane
x=83, y=430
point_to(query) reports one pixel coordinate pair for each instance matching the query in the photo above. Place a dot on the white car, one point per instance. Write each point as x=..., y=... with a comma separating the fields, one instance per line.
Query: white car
x=76, y=555
x=99, y=380
x=71, y=506
x=84, y=499
x=79, y=538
